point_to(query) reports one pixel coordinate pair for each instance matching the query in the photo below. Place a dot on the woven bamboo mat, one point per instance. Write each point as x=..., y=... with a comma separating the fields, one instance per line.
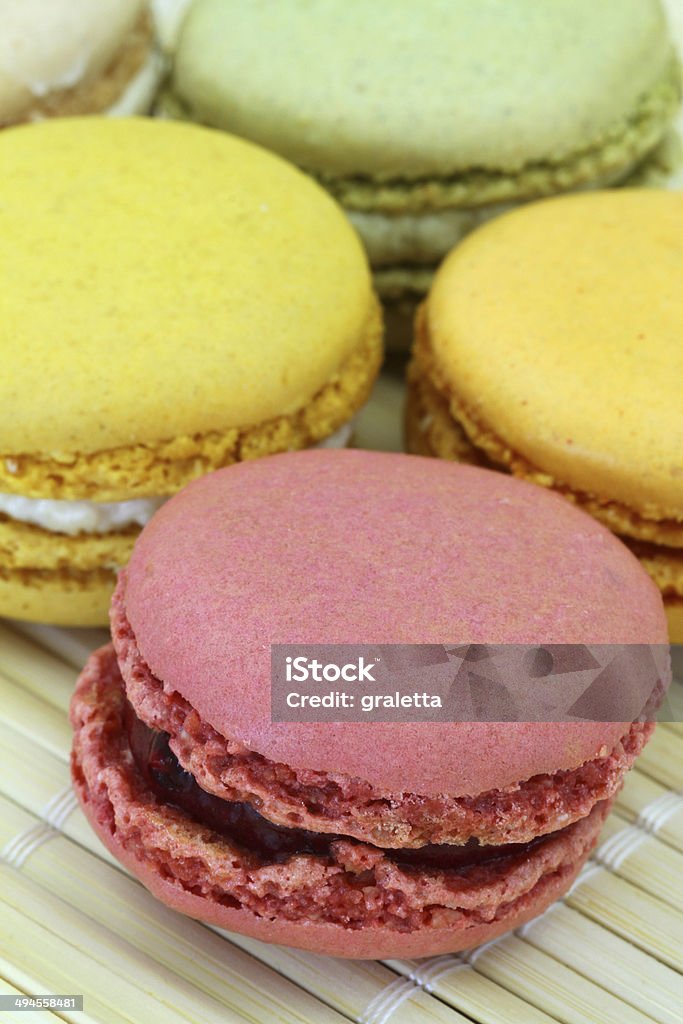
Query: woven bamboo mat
x=72, y=921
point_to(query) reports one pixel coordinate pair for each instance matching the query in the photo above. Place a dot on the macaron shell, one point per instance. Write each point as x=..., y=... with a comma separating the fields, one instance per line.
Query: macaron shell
x=499, y=561
x=151, y=469
x=53, y=577
x=179, y=858
x=558, y=327
x=61, y=598
x=207, y=285
x=235, y=69
x=368, y=943
x=674, y=615
x=24, y=546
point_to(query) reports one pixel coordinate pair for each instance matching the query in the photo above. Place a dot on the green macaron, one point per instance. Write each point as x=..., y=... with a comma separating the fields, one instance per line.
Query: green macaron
x=425, y=120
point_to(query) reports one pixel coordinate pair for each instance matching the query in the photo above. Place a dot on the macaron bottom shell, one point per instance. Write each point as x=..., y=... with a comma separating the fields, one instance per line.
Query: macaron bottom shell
x=61, y=597
x=674, y=613
x=358, y=904
x=367, y=943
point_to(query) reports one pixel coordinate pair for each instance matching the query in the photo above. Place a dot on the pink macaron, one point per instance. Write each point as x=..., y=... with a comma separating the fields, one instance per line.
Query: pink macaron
x=357, y=839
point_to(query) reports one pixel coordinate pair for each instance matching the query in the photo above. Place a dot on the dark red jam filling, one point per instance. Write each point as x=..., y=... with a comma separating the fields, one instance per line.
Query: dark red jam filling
x=273, y=844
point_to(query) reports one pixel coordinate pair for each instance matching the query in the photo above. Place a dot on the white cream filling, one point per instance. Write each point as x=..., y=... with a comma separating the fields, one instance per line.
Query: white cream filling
x=340, y=438
x=73, y=517
x=168, y=16
x=417, y=237
x=425, y=238
x=139, y=94
x=66, y=79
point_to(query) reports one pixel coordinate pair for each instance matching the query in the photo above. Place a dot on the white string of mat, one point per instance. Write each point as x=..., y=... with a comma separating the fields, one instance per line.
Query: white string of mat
x=385, y=1004
x=53, y=818
x=614, y=851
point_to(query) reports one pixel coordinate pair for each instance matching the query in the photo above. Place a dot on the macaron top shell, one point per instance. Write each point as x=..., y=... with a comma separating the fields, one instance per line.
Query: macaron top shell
x=559, y=327
x=361, y=547
x=369, y=88
x=46, y=47
x=162, y=279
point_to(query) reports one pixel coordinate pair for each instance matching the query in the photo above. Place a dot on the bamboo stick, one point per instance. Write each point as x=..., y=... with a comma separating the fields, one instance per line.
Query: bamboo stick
x=552, y=986
x=608, y=960
x=31, y=1016
x=642, y=859
x=459, y=985
x=658, y=808
x=143, y=989
x=360, y=989
x=631, y=913
x=36, y=670
x=662, y=759
x=72, y=646
x=94, y=1012
x=37, y=721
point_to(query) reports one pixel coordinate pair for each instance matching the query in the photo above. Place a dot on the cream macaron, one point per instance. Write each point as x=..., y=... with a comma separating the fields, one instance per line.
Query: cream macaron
x=68, y=57
x=174, y=300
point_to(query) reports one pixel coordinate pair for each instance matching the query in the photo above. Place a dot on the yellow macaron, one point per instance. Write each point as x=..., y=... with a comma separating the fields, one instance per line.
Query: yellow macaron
x=174, y=300
x=550, y=346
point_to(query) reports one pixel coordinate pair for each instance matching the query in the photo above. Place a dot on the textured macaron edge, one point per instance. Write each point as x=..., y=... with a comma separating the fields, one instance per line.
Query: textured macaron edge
x=195, y=870
x=334, y=803
x=160, y=467
x=615, y=154
x=61, y=597
x=430, y=429
x=25, y=546
x=403, y=282
x=673, y=607
x=665, y=566
x=651, y=523
x=52, y=577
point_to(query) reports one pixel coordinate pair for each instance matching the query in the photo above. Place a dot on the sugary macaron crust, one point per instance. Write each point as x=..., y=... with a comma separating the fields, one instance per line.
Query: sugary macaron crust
x=328, y=904
x=190, y=659
x=130, y=369
x=71, y=57
x=550, y=347
x=417, y=174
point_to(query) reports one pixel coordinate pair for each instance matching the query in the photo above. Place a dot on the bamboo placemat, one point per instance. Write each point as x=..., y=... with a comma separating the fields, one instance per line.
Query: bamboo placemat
x=73, y=921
